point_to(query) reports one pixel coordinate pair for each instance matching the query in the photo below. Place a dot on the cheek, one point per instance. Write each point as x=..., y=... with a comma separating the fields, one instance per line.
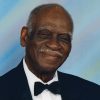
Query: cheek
x=31, y=50
x=34, y=51
x=66, y=49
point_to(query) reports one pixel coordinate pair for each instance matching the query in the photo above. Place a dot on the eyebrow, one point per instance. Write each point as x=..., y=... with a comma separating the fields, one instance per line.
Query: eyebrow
x=44, y=27
x=69, y=33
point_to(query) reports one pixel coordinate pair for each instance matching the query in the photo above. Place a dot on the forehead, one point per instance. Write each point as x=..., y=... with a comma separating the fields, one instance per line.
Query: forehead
x=54, y=18
x=53, y=28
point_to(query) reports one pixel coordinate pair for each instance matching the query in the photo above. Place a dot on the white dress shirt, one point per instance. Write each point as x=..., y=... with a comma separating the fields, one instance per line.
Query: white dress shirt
x=46, y=94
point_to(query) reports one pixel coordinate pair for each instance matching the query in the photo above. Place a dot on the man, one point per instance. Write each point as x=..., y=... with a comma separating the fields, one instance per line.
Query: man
x=47, y=39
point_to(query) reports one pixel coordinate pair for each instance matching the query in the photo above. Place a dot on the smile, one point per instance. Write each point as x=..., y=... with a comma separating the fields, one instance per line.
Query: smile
x=51, y=53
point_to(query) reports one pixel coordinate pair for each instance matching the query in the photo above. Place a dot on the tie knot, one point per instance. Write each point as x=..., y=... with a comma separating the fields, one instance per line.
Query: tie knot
x=46, y=86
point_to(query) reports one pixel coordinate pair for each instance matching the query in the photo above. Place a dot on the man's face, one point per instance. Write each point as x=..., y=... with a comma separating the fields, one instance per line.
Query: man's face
x=51, y=42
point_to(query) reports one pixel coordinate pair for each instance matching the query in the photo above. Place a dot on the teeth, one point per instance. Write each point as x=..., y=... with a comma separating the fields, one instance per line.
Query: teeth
x=41, y=50
x=44, y=50
x=48, y=50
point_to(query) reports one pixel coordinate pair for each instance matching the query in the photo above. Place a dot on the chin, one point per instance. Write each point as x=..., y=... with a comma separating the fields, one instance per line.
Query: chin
x=49, y=68
x=48, y=71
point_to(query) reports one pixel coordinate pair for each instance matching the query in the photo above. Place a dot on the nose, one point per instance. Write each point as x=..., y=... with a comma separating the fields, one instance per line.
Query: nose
x=53, y=44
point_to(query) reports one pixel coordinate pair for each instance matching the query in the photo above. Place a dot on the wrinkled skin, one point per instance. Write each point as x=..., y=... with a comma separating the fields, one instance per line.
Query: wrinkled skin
x=50, y=44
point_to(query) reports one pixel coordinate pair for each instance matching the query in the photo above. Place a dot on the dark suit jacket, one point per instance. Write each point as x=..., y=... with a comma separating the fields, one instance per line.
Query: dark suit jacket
x=14, y=86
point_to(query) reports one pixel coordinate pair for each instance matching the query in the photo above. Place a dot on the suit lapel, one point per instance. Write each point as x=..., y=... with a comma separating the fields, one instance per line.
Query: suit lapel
x=26, y=95
x=23, y=87
x=25, y=92
x=68, y=89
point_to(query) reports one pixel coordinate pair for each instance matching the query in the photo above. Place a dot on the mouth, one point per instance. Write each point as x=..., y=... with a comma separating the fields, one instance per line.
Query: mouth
x=51, y=53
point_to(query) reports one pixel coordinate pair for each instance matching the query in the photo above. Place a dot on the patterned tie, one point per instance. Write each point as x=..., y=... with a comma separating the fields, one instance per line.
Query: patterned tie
x=53, y=87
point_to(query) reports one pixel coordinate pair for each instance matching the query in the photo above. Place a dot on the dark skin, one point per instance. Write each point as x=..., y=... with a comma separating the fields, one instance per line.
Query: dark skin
x=50, y=45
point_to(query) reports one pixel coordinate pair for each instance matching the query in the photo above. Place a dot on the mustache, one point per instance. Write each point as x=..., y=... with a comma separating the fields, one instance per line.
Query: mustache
x=51, y=52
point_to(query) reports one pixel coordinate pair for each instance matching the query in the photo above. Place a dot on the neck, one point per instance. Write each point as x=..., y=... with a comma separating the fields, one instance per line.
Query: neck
x=45, y=76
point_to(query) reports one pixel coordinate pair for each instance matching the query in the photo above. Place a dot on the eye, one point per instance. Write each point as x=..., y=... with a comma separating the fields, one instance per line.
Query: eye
x=43, y=34
x=66, y=38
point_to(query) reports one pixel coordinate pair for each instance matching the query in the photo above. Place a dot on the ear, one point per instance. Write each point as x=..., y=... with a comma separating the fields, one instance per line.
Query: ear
x=23, y=36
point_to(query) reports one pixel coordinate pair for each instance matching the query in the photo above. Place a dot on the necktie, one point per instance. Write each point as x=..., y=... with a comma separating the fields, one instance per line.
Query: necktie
x=53, y=87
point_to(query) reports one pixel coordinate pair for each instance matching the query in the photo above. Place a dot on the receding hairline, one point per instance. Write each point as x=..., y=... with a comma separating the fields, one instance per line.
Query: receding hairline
x=34, y=13
x=48, y=6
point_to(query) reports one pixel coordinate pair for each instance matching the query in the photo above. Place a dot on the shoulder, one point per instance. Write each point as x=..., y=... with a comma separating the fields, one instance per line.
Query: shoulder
x=7, y=83
x=12, y=73
x=9, y=80
x=12, y=81
x=12, y=76
x=79, y=87
x=9, y=75
x=76, y=81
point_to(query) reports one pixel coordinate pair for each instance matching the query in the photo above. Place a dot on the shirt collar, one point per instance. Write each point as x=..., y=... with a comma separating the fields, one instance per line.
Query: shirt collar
x=32, y=78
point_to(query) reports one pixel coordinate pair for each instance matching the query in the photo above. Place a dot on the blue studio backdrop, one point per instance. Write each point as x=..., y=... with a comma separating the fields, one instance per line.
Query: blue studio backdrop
x=84, y=59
